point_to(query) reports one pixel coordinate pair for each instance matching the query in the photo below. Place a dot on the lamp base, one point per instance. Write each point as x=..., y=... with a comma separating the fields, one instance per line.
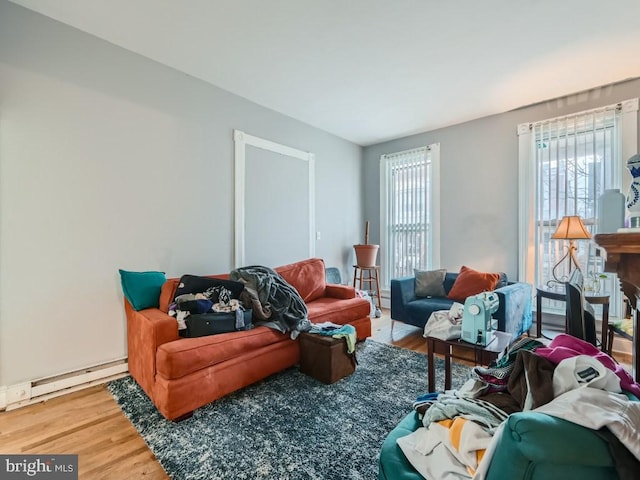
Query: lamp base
x=553, y=283
x=572, y=257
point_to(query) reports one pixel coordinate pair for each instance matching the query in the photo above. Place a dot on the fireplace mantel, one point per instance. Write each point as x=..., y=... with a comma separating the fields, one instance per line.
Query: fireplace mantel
x=623, y=258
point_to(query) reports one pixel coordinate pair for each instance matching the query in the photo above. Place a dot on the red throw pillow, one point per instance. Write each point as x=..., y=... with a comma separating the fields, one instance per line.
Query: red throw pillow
x=471, y=282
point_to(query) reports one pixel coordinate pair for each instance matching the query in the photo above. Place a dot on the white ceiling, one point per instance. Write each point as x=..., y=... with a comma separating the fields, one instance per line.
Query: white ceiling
x=373, y=70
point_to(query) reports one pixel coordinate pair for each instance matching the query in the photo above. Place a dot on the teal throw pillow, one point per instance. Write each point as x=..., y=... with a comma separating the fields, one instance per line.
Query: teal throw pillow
x=142, y=289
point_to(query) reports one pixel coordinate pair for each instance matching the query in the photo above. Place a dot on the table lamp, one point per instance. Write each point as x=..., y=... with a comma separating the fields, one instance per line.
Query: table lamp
x=570, y=228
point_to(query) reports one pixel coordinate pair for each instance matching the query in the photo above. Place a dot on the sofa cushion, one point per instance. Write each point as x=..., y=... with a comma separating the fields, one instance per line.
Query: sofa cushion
x=306, y=276
x=344, y=292
x=340, y=311
x=187, y=355
x=142, y=289
x=430, y=283
x=471, y=282
x=421, y=309
x=449, y=280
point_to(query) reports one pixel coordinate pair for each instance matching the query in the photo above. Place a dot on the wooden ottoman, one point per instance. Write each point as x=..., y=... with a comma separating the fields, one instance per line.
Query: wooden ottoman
x=325, y=358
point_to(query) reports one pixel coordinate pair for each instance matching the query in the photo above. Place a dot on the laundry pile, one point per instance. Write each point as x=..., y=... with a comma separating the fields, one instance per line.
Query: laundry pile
x=569, y=379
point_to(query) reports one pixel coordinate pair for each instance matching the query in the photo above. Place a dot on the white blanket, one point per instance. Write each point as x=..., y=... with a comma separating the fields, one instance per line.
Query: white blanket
x=443, y=452
x=594, y=408
x=445, y=324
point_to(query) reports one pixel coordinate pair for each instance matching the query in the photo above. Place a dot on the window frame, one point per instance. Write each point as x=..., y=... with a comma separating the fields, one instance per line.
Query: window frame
x=432, y=203
x=528, y=185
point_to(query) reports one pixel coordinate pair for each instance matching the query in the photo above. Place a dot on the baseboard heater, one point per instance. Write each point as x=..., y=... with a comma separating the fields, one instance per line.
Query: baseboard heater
x=27, y=393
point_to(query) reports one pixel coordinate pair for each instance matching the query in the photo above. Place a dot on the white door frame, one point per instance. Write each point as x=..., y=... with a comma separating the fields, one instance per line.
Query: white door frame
x=243, y=139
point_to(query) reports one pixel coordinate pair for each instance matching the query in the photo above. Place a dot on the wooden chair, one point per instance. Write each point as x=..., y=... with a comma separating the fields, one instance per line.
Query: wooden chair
x=581, y=322
x=613, y=330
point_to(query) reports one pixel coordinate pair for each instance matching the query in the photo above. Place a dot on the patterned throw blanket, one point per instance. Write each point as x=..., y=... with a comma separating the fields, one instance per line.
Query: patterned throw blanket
x=280, y=305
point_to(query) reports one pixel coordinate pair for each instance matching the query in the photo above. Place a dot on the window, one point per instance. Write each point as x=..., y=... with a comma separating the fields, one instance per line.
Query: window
x=409, y=223
x=566, y=164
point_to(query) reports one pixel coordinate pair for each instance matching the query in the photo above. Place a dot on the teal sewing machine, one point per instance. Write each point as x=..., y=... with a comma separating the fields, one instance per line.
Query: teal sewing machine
x=477, y=325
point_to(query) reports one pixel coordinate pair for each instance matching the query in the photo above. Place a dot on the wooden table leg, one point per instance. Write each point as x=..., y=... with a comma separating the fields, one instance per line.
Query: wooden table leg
x=447, y=369
x=431, y=368
x=378, y=289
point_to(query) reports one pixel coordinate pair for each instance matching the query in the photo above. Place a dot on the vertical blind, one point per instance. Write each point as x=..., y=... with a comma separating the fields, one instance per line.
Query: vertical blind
x=577, y=158
x=407, y=210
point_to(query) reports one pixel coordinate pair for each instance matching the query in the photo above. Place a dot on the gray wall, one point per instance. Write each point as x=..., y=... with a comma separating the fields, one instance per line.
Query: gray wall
x=479, y=179
x=279, y=216
x=109, y=160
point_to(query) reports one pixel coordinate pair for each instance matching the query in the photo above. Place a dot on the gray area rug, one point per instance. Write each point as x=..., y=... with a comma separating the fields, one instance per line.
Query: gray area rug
x=290, y=426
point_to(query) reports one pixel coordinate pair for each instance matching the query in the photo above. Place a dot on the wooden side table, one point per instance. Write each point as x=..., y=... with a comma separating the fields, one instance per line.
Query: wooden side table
x=372, y=279
x=483, y=355
x=556, y=294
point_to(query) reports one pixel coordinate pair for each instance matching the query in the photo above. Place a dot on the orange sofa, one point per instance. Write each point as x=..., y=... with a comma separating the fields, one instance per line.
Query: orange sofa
x=181, y=374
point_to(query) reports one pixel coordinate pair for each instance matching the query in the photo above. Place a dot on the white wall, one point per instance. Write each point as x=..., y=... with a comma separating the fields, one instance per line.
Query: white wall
x=109, y=160
x=479, y=179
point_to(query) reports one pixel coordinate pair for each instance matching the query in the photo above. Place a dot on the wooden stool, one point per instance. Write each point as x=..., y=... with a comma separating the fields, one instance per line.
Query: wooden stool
x=372, y=279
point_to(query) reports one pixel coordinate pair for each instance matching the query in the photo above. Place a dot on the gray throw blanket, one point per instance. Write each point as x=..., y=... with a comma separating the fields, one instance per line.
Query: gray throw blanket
x=282, y=306
x=449, y=405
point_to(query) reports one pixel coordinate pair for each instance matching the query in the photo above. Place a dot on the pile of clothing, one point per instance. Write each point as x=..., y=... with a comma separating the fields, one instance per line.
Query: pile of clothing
x=256, y=294
x=218, y=299
x=569, y=379
x=330, y=329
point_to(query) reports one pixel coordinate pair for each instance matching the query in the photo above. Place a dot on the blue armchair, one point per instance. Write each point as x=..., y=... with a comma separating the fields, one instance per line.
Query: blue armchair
x=514, y=314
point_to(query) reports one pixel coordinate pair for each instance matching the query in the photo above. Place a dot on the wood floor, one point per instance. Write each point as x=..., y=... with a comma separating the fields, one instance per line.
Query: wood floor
x=90, y=423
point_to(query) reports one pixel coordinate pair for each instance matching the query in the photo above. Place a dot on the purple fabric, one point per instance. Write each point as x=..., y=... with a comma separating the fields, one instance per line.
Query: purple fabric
x=565, y=346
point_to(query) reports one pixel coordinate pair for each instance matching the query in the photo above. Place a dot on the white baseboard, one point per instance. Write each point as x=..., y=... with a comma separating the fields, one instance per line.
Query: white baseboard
x=386, y=298
x=27, y=393
x=3, y=397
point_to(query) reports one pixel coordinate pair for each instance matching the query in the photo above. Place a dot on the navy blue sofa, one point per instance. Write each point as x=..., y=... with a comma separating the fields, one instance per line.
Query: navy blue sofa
x=514, y=314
